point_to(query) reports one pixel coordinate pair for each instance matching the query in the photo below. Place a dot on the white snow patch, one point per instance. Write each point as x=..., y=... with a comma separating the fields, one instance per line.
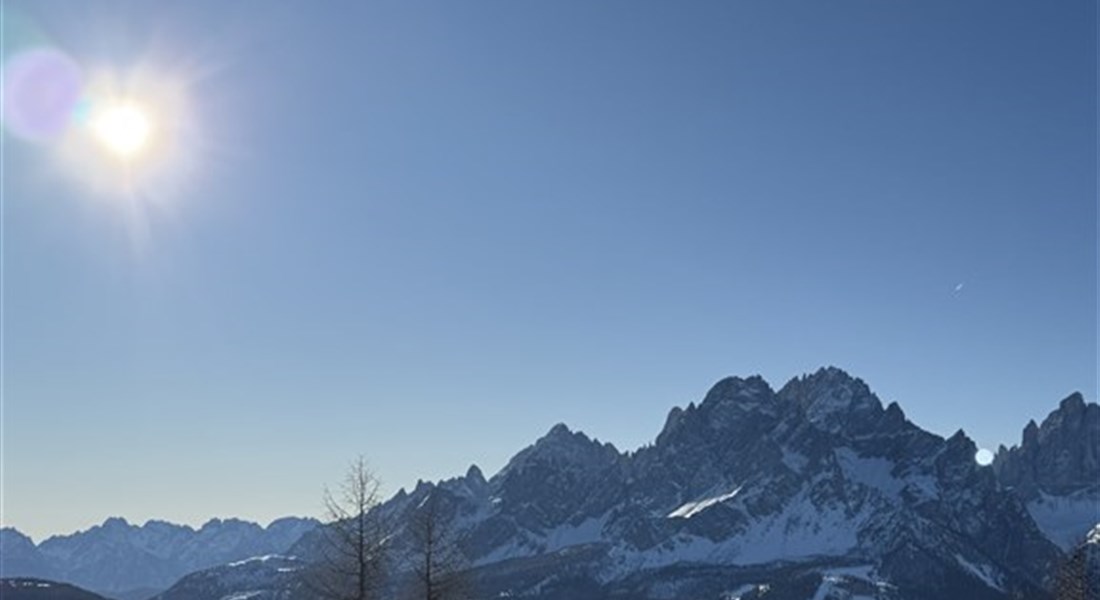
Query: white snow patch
x=986, y=573
x=831, y=577
x=737, y=593
x=691, y=509
x=1065, y=520
x=799, y=530
x=588, y=531
x=864, y=572
x=264, y=558
x=824, y=589
x=242, y=595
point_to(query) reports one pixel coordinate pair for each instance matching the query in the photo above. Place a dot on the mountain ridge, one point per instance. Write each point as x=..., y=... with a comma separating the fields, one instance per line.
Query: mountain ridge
x=817, y=471
x=817, y=486
x=123, y=560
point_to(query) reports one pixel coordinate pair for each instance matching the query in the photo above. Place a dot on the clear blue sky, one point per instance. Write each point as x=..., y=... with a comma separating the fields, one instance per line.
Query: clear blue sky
x=426, y=232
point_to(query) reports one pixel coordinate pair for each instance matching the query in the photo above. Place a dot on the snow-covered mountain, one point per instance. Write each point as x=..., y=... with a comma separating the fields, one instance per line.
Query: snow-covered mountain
x=816, y=490
x=1056, y=471
x=268, y=577
x=813, y=489
x=122, y=560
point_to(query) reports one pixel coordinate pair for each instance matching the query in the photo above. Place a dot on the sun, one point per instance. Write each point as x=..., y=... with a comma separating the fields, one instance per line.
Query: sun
x=123, y=129
x=133, y=134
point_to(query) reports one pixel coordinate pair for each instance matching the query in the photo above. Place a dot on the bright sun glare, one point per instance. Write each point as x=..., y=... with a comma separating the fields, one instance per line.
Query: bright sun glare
x=123, y=129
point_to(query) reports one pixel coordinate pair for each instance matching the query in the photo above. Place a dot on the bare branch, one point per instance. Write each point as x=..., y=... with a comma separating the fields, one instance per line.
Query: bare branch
x=353, y=539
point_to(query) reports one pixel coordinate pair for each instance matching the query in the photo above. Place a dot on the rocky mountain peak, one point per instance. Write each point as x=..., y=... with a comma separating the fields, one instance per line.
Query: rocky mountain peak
x=470, y=485
x=894, y=414
x=285, y=531
x=115, y=524
x=12, y=540
x=561, y=447
x=560, y=433
x=19, y=557
x=960, y=444
x=834, y=401
x=1031, y=433
x=1060, y=456
x=735, y=408
x=1074, y=403
x=474, y=475
x=732, y=403
x=561, y=440
x=1056, y=470
x=747, y=392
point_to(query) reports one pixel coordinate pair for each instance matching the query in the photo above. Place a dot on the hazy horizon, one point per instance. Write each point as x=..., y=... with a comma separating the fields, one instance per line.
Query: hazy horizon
x=427, y=232
x=196, y=521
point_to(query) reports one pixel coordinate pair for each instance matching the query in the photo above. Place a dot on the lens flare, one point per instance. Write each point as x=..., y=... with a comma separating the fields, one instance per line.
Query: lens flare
x=41, y=89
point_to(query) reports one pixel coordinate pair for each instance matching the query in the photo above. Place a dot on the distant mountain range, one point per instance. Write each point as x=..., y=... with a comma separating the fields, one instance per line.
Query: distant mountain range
x=128, y=562
x=816, y=490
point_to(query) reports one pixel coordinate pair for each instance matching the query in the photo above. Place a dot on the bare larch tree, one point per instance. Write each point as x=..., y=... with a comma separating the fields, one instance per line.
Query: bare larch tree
x=435, y=558
x=352, y=548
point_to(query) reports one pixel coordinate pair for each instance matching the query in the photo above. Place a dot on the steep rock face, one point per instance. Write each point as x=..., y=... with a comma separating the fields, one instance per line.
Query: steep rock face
x=1056, y=470
x=834, y=401
x=1051, y=457
x=547, y=497
x=713, y=446
x=564, y=474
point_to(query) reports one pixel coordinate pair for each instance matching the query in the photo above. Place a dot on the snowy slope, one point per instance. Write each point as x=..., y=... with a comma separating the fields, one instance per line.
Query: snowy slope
x=268, y=577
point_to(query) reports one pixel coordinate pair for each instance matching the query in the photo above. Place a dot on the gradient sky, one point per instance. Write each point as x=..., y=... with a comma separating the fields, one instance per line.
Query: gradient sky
x=427, y=232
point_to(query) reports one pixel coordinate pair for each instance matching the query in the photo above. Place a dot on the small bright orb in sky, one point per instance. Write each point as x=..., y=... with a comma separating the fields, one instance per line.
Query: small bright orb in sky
x=983, y=457
x=123, y=129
